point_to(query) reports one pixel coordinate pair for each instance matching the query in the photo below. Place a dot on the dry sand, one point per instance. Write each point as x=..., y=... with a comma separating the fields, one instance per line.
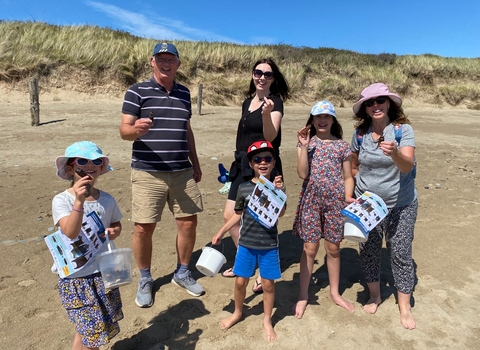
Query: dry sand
x=447, y=293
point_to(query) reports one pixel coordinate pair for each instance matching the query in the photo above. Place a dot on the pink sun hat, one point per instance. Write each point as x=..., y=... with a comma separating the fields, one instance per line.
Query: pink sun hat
x=375, y=90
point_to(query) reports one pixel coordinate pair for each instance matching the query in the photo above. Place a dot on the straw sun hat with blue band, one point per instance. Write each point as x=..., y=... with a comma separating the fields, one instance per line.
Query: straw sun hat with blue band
x=82, y=149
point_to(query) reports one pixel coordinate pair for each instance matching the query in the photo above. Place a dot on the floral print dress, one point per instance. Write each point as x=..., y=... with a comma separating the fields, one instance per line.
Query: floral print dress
x=323, y=193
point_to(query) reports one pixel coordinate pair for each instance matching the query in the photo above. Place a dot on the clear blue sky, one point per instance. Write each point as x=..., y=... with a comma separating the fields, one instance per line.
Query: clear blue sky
x=446, y=28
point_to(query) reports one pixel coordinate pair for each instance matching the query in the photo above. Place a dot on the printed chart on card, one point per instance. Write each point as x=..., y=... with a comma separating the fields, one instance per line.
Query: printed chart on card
x=368, y=212
x=266, y=202
x=71, y=255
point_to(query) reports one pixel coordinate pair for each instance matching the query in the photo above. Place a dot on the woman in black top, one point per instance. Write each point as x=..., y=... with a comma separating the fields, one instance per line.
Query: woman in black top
x=262, y=114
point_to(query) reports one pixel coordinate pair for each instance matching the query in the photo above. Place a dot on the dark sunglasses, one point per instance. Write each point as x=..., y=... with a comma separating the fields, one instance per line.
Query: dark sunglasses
x=380, y=100
x=257, y=73
x=83, y=161
x=266, y=159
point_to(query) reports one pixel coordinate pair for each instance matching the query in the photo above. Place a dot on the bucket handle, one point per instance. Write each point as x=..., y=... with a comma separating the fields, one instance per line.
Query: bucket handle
x=110, y=244
x=211, y=246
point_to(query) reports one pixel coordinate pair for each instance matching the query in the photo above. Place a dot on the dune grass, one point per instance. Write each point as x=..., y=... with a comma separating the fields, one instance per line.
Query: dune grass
x=92, y=57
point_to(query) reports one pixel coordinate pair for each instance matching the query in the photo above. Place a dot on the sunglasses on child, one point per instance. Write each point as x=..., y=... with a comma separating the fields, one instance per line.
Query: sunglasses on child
x=257, y=73
x=84, y=161
x=380, y=100
x=258, y=160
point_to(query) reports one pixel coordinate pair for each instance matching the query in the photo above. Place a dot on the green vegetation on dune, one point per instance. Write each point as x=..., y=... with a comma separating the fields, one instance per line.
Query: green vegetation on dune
x=90, y=59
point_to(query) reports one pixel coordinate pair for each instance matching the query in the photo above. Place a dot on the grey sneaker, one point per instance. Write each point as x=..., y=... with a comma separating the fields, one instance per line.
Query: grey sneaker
x=144, y=293
x=187, y=282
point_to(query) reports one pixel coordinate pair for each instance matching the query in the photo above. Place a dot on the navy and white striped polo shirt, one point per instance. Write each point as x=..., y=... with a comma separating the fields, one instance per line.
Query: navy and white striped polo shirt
x=164, y=147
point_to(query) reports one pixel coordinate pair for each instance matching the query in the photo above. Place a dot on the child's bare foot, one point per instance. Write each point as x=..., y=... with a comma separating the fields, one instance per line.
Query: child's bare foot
x=298, y=309
x=372, y=305
x=228, y=322
x=269, y=331
x=406, y=318
x=341, y=301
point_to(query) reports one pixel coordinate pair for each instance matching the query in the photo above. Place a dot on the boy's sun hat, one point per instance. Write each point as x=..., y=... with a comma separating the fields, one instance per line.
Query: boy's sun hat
x=259, y=146
x=81, y=149
x=323, y=107
x=375, y=90
x=165, y=48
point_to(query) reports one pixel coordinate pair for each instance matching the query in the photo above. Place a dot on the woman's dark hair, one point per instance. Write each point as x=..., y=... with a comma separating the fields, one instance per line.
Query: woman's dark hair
x=336, y=129
x=279, y=86
x=396, y=115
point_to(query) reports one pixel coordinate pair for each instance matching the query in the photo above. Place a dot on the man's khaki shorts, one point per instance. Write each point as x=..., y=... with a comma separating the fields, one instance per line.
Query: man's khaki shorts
x=151, y=190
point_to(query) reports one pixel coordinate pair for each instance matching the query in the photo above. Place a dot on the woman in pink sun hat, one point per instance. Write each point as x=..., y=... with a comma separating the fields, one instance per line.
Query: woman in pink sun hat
x=383, y=162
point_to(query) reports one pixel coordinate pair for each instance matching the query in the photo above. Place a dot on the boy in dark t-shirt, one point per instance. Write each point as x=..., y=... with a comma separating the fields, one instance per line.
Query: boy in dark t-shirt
x=257, y=245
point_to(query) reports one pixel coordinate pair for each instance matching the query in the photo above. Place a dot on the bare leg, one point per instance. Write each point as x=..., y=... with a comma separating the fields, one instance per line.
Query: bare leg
x=186, y=236
x=333, y=266
x=375, y=298
x=306, y=267
x=78, y=345
x=406, y=317
x=239, y=295
x=142, y=244
x=268, y=300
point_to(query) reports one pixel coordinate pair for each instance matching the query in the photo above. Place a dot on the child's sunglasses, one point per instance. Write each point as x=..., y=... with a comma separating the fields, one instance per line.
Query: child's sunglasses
x=84, y=161
x=257, y=73
x=258, y=160
x=380, y=100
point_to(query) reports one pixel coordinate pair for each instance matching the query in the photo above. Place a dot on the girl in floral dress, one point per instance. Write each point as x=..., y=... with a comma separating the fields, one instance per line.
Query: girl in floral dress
x=324, y=162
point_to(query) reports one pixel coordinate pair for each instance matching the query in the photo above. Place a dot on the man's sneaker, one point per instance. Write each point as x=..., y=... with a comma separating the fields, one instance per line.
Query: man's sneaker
x=144, y=293
x=187, y=282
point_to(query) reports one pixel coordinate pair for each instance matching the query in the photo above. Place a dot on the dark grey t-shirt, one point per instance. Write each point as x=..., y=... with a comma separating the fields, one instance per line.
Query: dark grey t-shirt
x=252, y=234
x=379, y=174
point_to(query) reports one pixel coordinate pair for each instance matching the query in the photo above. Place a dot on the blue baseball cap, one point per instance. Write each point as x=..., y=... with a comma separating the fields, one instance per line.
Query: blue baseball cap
x=82, y=149
x=323, y=107
x=165, y=48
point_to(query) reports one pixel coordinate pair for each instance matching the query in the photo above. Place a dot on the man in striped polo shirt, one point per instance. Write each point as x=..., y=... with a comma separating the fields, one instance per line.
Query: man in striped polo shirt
x=165, y=167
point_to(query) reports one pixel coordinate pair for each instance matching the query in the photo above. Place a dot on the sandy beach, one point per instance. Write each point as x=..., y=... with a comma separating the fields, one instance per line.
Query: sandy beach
x=446, y=300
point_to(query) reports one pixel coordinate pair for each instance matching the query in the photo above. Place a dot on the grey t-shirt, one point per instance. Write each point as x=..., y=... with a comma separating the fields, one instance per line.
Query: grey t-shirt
x=378, y=173
x=252, y=234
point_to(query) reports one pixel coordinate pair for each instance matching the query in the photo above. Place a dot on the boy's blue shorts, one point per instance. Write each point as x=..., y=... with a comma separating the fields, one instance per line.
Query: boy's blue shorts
x=248, y=259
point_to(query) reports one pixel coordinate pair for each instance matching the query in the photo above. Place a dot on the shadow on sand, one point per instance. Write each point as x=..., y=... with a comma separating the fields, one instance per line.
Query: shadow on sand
x=170, y=328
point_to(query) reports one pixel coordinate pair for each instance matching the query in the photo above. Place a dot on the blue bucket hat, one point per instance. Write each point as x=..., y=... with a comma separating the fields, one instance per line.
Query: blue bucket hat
x=165, y=48
x=82, y=149
x=323, y=107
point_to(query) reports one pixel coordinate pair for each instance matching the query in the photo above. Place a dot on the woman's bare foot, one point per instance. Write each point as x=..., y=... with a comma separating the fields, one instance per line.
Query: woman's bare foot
x=298, y=309
x=372, y=305
x=406, y=317
x=341, y=301
x=228, y=322
x=269, y=331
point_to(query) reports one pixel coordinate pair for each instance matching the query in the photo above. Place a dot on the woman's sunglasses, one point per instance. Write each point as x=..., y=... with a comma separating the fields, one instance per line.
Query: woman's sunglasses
x=257, y=73
x=258, y=160
x=84, y=161
x=380, y=100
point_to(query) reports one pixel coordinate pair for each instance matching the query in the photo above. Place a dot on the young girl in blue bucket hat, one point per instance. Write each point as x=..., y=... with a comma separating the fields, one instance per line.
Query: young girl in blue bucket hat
x=94, y=311
x=324, y=163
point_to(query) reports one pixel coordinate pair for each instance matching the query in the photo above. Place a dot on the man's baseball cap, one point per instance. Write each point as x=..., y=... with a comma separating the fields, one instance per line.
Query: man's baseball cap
x=165, y=48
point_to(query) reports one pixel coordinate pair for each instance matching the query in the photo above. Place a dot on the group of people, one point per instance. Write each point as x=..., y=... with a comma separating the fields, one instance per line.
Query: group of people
x=165, y=169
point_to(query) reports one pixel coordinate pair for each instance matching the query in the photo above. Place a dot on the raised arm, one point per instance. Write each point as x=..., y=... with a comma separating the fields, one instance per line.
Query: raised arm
x=132, y=127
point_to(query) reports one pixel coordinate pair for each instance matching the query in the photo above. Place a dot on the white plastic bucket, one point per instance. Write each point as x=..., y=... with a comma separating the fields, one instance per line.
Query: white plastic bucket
x=353, y=232
x=116, y=267
x=210, y=261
